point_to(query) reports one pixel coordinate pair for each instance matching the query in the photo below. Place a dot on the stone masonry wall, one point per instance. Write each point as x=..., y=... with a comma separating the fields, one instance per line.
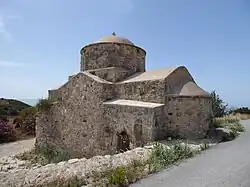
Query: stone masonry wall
x=161, y=131
x=48, y=130
x=147, y=91
x=137, y=122
x=75, y=122
x=112, y=74
x=189, y=117
x=103, y=55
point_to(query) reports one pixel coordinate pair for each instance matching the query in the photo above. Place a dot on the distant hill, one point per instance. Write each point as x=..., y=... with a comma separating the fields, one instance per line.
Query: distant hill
x=31, y=102
x=11, y=107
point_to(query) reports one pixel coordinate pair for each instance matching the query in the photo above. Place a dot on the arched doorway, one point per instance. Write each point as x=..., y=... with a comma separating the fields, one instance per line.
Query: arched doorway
x=123, y=142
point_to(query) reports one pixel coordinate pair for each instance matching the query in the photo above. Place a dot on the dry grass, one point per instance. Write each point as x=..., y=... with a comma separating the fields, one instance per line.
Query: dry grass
x=220, y=122
x=42, y=156
x=230, y=122
x=242, y=116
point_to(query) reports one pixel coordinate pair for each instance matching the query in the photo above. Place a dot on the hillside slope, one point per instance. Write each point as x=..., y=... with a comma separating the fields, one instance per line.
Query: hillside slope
x=11, y=107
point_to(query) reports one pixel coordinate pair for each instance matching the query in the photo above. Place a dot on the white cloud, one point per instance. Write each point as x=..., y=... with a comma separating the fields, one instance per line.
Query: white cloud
x=13, y=64
x=4, y=33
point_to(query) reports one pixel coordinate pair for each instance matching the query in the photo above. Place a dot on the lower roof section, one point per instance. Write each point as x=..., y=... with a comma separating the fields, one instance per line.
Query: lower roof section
x=192, y=89
x=134, y=103
x=150, y=75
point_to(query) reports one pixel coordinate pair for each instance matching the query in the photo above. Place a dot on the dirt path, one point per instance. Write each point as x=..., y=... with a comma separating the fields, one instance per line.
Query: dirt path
x=14, y=148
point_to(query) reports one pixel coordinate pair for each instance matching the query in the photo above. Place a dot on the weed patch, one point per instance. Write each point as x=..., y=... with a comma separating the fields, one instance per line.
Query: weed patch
x=231, y=123
x=43, y=156
x=163, y=156
x=44, y=104
x=160, y=157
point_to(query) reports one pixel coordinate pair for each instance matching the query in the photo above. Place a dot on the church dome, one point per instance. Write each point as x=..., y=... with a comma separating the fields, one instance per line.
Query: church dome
x=114, y=39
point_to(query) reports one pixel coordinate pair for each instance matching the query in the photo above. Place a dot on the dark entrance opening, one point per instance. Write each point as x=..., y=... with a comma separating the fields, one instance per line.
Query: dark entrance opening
x=123, y=142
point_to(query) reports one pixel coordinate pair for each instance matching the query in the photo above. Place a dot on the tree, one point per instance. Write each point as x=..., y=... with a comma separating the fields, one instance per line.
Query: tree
x=242, y=110
x=218, y=105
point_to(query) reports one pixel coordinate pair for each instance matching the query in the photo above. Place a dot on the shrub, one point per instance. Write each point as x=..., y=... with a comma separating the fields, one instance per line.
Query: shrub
x=16, y=122
x=162, y=156
x=230, y=122
x=3, y=118
x=44, y=104
x=118, y=177
x=7, y=133
x=236, y=126
x=123, y=176
x=218, y=105
x=26, y=121
x=242, y=110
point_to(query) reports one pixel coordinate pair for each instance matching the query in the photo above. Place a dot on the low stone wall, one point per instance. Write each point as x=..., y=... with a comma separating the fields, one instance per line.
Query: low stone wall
x=82, y=172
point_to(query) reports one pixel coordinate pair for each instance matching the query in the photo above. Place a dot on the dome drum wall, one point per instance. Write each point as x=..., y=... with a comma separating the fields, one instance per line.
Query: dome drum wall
x=103, y=55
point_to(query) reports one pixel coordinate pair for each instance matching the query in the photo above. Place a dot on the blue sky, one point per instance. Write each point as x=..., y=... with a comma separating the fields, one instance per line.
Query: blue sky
x=40, y=41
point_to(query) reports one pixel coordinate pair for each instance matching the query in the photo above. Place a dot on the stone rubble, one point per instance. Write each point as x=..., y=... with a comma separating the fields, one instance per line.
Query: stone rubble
x=16, y=173
x=222, y=134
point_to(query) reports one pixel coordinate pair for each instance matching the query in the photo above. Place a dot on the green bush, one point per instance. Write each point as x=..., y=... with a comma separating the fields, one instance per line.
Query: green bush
x=236, y=126
x=231, y=123
x=44, y=104
x=218, y=105
x=118, y=177
x=3, y=118
x=162, y=156
x=242, y=110
x=7, y=133
x=26, y=121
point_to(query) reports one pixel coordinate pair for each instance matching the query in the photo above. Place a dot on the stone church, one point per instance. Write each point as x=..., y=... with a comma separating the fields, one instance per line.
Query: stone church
x=114, y=104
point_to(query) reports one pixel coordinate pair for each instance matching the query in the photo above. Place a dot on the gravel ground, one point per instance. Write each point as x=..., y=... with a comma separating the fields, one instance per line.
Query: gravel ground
x=14, y=148
x=224, y=165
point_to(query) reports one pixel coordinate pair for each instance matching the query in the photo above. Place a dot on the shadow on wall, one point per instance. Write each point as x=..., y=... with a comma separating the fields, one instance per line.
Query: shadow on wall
x=123, y=142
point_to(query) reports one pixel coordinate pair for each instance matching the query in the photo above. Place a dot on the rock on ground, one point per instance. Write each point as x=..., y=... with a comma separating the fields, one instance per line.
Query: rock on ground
x=221, y=134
